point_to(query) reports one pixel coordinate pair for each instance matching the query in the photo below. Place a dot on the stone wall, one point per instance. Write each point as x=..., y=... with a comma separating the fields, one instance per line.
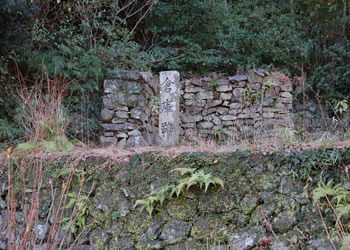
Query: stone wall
x=127, y=115
x=258, y=189
x=220, y=109
x=240, y=105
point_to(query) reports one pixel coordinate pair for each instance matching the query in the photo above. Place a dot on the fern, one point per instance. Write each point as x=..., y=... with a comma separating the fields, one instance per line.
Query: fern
x=336, y=194
x=199, y=178
x=184, y=171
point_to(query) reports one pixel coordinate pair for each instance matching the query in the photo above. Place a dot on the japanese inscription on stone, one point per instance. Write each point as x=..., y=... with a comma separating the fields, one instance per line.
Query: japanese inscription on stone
x=169, y=126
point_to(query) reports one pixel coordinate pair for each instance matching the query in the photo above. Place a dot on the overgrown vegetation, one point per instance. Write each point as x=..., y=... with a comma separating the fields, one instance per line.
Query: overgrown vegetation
x=81, y=40
x=194, y=178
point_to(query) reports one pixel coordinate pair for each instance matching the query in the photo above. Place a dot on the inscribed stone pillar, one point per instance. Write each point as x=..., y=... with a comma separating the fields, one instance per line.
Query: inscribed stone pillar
x=169, y=121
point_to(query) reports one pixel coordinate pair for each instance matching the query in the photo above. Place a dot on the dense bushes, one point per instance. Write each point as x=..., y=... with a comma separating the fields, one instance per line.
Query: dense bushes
x=82, y=39
x=226, y=37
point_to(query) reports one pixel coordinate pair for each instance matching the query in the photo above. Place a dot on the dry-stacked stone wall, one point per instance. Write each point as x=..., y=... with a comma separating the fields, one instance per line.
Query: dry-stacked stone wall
x=231, y=107
x=126, y=117
x=240, y=105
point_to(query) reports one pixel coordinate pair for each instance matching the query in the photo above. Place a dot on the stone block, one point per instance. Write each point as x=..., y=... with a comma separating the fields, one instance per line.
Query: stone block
x=236, y=106
x=253, y=77
x=268, y=115
x=137, y=113
x=216, y=120
x=188, y=125
x=227, y=123
x=189, y=96
x=237, y=92
x=208, y=111
x=196, y=82
x=214, y=103
x=222, y=110
x=108, y=134
x=285, y=100
x=225, y=96
x=123, y=87
x=208, y=95
x=134, y=132
x=118, y=120
x=188, y=118
x=287, y=87
x=122, y=135
x=286, y=95
x=225, y=104
x=107, y=115
x=228, y=118
x=122, y=114
x=238, y=78
x=254, y=86
x=136, y=141
x=107, y=141
x=205, y=125
x=224, y=88
x=206, y=79
x=241, y=84
x=192, y=89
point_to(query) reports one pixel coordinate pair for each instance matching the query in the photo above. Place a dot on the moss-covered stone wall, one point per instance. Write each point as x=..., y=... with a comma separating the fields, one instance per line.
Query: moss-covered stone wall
x=261, y=189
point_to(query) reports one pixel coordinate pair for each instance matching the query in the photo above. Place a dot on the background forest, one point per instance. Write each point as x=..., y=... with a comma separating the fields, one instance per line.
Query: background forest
x=76, y=42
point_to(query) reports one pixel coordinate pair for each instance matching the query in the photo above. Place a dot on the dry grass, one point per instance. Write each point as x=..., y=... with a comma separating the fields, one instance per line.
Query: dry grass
x=274, y=143
x=42, y=115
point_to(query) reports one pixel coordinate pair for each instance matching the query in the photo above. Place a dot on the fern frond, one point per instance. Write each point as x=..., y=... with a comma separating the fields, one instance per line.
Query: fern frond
x=219, y=182
x=184, y=171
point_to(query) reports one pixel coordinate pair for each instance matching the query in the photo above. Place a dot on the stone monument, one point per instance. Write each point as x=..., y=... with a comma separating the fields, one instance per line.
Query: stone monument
x=169, y=119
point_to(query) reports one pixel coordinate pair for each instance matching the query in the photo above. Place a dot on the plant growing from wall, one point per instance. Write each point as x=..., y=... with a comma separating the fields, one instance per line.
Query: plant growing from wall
x=337, y=199
x=250, y=95
x=193, y=177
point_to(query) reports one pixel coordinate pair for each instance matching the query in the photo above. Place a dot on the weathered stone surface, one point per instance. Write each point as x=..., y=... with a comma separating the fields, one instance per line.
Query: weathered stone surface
x=214, y=103
x=136, y=141
x=201, y=99
x=174, y=231
x=238, y=78
x=196, y=82
x=228, y=118
x=108, y=134
x=42, y=231
x=205, y=125
x=169, y=115
x=286, y=95
x=246, y=239
x=192, y=89
x=106, y=141
x=134, y=132
x=117, y=120
x=187, y=118
x=222, y=110
x=253, y=77
x=205, y=95
x=224, y=88
x=118, y=86
x=189, y=96
x=284, y=222
x=137, y=113
x=122, y=114
x=225, y=96
x=254, y=86
x=237, y=92
x=287, y=87
x=107, y=115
